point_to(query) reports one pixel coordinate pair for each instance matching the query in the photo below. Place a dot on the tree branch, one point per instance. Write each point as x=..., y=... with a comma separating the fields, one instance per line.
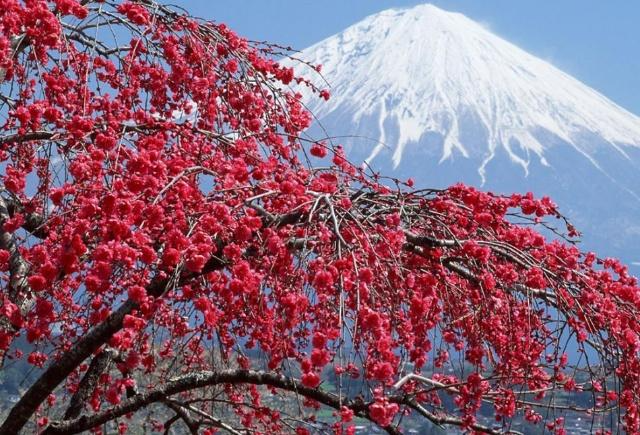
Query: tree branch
x=87, y=345
x=99, y=365
x=18, y=270
x=18, y=43
x=18, y=267
x=216, y=422
x=182, y=414
x=25, y=137
x=34, y=223
x=203, y=379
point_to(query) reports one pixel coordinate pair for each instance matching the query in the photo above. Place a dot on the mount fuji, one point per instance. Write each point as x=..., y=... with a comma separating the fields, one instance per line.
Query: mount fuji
x=433, y=95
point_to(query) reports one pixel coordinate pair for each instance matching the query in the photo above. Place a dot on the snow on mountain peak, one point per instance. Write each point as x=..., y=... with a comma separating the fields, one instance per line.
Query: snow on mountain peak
x=431, y=71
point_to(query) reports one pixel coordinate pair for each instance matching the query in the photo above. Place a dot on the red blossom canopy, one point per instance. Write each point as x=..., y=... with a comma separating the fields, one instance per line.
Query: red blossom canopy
x=165, y=239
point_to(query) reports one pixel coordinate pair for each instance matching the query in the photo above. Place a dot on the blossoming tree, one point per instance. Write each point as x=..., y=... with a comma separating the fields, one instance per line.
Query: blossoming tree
x=174, y=252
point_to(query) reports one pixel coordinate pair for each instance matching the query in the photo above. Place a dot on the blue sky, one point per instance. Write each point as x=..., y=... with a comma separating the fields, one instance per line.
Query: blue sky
x=596, y=41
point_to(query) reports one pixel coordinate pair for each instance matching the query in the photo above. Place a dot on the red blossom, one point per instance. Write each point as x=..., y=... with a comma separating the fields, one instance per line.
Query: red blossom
x=383, y=412
x=137, y=14
x=311, y=380
x=318, y=150
x=37, y=282
x=4, y=260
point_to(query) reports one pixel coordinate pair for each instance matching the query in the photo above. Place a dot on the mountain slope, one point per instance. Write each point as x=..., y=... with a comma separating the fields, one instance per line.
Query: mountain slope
x=428, y=70
x=433, y=95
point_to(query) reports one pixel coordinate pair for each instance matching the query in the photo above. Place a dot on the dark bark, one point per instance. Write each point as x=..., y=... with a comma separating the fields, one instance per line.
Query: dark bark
x=18, y=288
x=99, y=365
x=191, y=424
x=18, y=44
x=61, y=368
x=25, y=137
x=203, y=379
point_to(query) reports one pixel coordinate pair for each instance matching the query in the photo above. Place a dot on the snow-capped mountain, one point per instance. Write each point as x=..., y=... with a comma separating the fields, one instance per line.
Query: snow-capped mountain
x=433, y=95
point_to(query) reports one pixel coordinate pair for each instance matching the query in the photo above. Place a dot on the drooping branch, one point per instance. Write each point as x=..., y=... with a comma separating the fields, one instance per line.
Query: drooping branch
x=194, y=381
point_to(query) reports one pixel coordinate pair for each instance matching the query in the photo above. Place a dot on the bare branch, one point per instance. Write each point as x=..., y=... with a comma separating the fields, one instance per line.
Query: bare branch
x=191, y=424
